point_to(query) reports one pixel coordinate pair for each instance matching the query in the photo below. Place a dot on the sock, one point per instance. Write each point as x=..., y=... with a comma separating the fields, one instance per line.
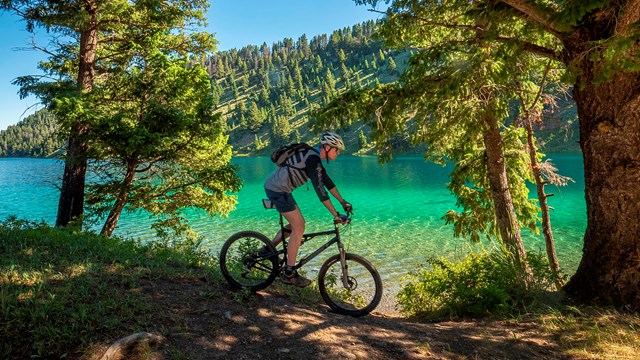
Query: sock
x=289, y=270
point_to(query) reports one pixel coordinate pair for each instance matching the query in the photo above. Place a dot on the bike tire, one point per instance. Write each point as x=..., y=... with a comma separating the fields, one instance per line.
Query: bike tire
x=242, y=265
x=362, y=297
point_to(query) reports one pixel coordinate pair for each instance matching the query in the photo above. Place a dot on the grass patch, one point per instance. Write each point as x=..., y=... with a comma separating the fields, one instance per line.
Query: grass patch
x=589, y=332
x=62, y=290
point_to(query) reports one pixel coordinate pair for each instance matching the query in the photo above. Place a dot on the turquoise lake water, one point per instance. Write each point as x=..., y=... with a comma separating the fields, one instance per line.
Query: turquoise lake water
x=397, y=206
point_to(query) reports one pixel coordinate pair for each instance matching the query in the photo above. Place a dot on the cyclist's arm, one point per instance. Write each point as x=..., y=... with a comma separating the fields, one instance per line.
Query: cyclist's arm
x=336, y=194
x=321, y=182
x=327, y=203
x=319, y=178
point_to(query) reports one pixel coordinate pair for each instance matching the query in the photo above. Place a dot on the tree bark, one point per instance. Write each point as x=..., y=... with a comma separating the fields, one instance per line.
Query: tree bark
x=71, y=202
x=609, y=113
x=121, y=201
x=501, y=195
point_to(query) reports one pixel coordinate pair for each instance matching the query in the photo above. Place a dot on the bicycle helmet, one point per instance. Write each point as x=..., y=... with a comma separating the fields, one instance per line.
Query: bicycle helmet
x=332, y=139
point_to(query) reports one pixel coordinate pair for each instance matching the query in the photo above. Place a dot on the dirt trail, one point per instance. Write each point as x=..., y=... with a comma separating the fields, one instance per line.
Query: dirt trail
x=207, y=321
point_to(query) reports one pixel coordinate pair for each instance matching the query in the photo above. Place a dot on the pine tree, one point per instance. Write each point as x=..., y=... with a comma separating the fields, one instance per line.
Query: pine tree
x=362, y=139
x=392, y=67
x=104, y=35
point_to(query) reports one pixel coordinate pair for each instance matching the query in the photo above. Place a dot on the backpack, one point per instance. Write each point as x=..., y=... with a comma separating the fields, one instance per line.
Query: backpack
x=281, y=154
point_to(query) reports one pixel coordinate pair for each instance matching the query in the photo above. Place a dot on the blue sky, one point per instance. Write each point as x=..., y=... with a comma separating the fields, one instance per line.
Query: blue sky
x=236, y=23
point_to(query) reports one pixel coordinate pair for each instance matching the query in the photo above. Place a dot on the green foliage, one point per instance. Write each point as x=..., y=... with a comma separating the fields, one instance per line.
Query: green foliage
x=459, y=85
x=470, y=184
x=362, y=139
x=307, y=65
x=160, y=148
x=64, y=290
x=481, y=283
x=280, y=131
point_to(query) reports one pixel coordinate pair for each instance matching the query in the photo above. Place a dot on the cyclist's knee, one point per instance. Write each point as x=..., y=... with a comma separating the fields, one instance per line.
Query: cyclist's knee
x=298, y=228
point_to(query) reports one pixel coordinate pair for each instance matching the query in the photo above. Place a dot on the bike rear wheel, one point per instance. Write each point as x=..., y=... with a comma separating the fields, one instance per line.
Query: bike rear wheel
x=364, y=289
x=244, y=265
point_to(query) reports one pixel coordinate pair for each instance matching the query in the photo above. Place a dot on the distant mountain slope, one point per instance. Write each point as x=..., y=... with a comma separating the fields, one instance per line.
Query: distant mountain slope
x=265, y=94
x=32, y=137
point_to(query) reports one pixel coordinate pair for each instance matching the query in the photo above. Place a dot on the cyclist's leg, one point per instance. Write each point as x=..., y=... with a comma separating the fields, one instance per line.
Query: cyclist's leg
x=284, y=203
x=278, y=238
x=297, y=223
x=289, y=275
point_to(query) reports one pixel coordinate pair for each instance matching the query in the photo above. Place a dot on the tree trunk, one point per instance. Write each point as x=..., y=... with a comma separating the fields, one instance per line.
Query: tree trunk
x=71, y=203
x=609, y=113
x=501, y=195
x=121, y=201
x=544, y=206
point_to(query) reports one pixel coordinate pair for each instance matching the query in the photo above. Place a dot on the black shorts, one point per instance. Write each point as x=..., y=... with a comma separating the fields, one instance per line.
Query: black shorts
x=284, y=202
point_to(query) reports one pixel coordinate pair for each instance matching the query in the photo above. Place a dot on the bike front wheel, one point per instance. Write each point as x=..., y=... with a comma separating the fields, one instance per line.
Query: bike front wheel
x=362, y=291
x=248, y=260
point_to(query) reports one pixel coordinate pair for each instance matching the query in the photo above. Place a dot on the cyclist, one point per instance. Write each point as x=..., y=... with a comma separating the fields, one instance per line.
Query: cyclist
x=300, y=168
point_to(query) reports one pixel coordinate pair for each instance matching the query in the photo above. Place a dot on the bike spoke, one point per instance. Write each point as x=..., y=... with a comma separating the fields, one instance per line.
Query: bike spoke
x=242, y=266
x=363, y=291
x=264, y=267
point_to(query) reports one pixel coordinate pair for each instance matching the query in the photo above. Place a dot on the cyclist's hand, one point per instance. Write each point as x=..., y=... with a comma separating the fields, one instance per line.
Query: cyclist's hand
x=347, y=207
x=341, y=219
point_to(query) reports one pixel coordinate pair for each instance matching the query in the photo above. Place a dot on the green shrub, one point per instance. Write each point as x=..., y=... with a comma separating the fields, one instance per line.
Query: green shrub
x=481, y=283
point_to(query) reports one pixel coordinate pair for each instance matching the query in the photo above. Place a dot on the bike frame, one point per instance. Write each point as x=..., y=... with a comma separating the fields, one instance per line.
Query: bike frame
x=325, y=246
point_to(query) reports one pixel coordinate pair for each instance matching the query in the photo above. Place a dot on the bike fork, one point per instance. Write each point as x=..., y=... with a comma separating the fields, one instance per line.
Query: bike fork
x=343, y=266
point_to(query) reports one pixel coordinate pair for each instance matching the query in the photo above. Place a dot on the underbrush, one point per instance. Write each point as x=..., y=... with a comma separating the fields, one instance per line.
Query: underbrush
x=486, y=284
x=481, y=283
x=61, y=290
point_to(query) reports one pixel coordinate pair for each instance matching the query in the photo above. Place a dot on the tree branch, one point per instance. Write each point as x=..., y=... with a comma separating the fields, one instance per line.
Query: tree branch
x=531, y=12
x=430, y=22
x=532, y=48
x=630, y=14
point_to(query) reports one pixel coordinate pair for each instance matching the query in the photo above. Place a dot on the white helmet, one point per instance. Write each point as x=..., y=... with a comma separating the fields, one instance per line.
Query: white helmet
x=332, y=139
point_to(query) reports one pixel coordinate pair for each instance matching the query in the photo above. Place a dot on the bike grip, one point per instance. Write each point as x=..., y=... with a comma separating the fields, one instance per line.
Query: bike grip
x=340, y=219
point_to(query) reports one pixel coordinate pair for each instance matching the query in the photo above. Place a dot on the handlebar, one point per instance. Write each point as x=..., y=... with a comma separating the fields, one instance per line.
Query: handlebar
x=344, y=219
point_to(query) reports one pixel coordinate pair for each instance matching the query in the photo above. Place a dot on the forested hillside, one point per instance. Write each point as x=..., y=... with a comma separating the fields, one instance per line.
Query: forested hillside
x=32, y=137
x=266, y=94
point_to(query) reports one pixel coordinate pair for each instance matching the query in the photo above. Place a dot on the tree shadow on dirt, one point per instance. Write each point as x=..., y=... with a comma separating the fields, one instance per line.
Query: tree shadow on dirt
x=207, y=321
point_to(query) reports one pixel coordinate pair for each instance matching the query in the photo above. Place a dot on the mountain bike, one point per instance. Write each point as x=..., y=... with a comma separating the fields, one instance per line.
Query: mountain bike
x=348, y=283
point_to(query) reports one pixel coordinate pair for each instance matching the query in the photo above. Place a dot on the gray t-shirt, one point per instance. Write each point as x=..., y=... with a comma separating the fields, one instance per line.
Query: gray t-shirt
x=300, y=168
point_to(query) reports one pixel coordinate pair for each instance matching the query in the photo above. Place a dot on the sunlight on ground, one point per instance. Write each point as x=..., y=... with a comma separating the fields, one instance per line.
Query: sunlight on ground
x=596, y=333
x=23, y=278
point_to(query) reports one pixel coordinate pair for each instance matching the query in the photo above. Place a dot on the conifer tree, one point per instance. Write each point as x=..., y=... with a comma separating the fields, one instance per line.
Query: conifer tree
x=318, y=64
x=240, y=117
x=104, y=34
x=392, y=67
x=595, y=41
x=330, y=80
x=341, y=56
x=346, y=76
x=362, y=139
